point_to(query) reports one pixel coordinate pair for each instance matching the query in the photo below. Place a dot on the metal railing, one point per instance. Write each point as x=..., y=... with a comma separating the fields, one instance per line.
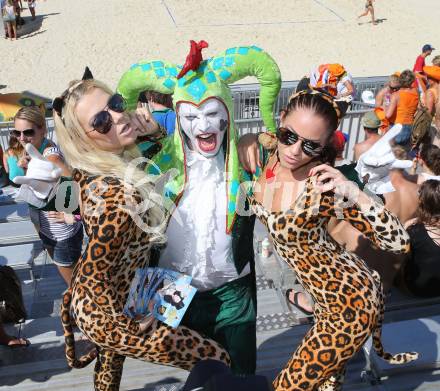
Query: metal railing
x=247, y=113
x=246, y=96
x=350, y=124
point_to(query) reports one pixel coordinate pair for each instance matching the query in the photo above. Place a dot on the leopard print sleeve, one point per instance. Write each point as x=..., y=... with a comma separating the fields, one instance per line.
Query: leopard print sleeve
x=377, y=223
x=111, y=231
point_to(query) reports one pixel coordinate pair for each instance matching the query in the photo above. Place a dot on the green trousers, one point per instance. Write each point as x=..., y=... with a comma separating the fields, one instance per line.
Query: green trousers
x=228, y=315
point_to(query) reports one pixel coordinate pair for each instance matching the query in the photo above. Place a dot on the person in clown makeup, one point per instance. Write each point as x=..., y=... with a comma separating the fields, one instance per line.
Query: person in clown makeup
x=207, y=238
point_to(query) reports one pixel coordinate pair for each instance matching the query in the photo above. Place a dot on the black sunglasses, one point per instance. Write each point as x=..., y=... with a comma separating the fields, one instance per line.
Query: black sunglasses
x=26, y=133
x=289, y=137
x=103, y=121
x=394, y=88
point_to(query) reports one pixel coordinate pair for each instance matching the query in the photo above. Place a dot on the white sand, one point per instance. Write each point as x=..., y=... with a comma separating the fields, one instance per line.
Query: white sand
x=109, y=36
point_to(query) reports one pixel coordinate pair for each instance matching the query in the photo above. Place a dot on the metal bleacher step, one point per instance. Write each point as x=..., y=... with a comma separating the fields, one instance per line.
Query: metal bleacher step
x=14, y=212
x=18, y=232
x=416, y=335
x=22, y=254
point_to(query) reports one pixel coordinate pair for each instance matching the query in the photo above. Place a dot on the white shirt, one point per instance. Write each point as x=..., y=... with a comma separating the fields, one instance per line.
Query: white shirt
x=197, y=241
x=427, y=176
x=342, y=88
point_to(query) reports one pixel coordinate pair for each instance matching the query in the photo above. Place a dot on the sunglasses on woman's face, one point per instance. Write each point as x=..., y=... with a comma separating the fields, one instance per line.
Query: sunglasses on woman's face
x=394, y=89
x=26, y=133
x=103, y=121
x=289, y=137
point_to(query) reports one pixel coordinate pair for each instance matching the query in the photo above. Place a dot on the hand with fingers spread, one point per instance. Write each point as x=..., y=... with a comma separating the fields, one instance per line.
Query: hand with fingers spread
x=248, y=152
x=41, y=174
x=331, y=179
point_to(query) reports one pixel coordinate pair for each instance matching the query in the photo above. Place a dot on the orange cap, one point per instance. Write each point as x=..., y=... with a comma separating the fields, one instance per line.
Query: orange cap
x=432, y=71
x=336, y=69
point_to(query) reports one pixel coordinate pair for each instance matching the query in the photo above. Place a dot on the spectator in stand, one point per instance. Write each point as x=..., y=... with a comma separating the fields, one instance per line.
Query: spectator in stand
x=435, y=128
x=61, y=233
x=161, y=107
x=371, y=124
x=14, y=159
x=421, y=273
x=420, y=61
x=402, y=202
x=3, y=174
x=429, y=160
x=383, y=97
x=403, y=106
x=345, y=86
x=8, y=13
x=31, y=5
x=431, y=97
x=436, y=61
x=333, y=78
x=432, y=101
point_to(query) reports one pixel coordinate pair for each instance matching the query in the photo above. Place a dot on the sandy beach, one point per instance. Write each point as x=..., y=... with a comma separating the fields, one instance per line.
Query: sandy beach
x=110, y=35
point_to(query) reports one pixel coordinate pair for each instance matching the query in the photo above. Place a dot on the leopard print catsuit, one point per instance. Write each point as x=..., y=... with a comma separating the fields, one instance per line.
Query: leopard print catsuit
x=100, y=286
x=347, y=294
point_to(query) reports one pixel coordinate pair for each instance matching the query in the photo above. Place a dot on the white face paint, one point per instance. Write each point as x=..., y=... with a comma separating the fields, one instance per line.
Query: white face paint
x=205, y=125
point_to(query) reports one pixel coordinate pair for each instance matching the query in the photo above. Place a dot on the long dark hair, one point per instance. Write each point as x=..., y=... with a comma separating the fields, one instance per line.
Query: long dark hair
x=323, y=105
x=430, y=154
x=429, y=203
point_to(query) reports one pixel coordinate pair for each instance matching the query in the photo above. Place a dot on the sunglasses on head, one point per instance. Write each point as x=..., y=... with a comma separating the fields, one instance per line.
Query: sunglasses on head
x=103, y=121
x=26, y=133
x=290, y=137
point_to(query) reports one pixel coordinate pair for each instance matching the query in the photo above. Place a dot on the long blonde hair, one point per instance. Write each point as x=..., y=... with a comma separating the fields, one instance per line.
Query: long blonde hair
x=81, y=152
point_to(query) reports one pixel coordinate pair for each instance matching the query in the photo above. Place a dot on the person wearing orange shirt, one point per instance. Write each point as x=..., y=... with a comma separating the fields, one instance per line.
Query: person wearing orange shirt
x=403, y=106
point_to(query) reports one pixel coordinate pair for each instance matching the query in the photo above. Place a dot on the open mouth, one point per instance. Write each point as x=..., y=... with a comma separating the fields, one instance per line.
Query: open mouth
x=207, y=141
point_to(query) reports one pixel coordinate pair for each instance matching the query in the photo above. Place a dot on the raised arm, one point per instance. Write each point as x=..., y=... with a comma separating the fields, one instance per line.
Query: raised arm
x=380, y=97
x=342, y=199
x=430, y=102
x=392, y=107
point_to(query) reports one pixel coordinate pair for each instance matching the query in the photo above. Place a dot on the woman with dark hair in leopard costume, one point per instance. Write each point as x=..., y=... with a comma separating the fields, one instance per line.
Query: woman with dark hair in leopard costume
x=97, y=138
x=295, y=196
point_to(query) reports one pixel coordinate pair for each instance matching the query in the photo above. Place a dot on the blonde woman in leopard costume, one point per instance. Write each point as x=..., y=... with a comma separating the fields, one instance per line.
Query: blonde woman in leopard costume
x=97, y=137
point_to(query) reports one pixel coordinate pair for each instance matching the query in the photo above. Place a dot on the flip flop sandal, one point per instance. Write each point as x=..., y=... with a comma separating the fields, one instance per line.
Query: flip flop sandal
x=296, y=302
x=23, y=343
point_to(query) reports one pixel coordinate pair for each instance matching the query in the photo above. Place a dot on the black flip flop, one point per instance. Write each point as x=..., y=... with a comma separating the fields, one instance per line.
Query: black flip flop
x=296, y=302
x=24, y=343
